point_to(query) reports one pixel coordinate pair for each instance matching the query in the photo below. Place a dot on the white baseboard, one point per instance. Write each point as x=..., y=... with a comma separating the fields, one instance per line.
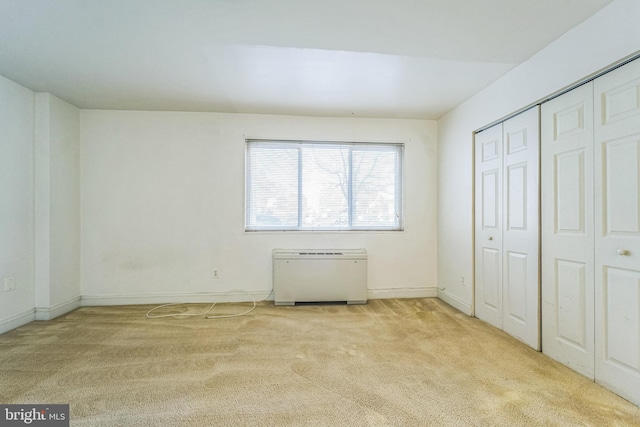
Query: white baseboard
x=200, y=297
x=455, y=302
x=233, y=296
x=48, y=313
x=17, y=320
x=402, y=293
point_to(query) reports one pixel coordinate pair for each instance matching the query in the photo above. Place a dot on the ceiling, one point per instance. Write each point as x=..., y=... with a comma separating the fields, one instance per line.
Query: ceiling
x=363, y=58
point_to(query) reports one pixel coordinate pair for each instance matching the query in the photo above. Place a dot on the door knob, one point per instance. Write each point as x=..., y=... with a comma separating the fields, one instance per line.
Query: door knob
x=490, y=238
x=622, y=252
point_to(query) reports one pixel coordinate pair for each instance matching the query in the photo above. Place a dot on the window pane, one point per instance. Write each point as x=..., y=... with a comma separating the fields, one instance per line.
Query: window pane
x=325, y=186
x=302, y=185
x=375, y=188
x=272, y=186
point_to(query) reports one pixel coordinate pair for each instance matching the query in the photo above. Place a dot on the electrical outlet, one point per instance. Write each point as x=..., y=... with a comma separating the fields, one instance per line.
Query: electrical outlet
x=462, y=282
x=9, y=284
x=216, y=273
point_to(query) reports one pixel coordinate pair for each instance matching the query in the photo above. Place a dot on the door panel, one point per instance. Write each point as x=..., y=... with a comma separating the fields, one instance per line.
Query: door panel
x=621, y=209
x=488, y=226
x=517, y=139
x=621, y=289
x=490, y=199
x=520, y=237
x=517, y=197
x=516, y=294
x=571, y=297
x=491, y=278
x=617, y=230
x=567, y=229
x=620, y=101
x=570, y=192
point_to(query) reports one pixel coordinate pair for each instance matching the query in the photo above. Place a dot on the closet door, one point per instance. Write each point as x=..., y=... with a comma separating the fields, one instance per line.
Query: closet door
x=617, y=230
x=567, y=229
x=506, y=227
x=520, y=277
x=488, y=226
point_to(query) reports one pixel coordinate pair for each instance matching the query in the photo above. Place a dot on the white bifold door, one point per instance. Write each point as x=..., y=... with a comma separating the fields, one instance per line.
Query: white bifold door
x=591, y=230
x=567, y=229
x=617, y=230
x=506, y=226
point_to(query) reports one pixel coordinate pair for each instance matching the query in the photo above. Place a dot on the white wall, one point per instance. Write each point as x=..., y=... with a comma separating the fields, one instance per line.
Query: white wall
x=16, y=204
x=604, y=39
x=57, y=206
x=162, y=206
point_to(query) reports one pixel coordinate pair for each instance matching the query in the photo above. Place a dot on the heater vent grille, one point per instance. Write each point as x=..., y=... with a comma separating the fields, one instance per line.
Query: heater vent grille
x=320, y=253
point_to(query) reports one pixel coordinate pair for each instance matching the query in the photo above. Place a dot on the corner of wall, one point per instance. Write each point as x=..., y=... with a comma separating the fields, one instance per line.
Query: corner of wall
x=56, y=207
x=455, y=302
x=17, y=105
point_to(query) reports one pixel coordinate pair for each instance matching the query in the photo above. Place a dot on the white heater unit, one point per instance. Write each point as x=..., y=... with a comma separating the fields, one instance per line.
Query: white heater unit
x=319, y=275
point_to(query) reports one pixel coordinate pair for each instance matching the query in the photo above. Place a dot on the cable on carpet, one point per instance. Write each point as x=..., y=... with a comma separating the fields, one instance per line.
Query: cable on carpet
x=204, y=313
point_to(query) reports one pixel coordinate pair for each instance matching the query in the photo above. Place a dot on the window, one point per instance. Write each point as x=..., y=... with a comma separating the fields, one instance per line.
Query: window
x=302, y=185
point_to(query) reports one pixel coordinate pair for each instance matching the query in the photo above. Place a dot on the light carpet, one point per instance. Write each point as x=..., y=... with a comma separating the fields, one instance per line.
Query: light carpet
x=400, y=362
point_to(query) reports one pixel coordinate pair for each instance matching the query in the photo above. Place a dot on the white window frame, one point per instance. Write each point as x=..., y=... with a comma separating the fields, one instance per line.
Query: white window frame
x=399, y=184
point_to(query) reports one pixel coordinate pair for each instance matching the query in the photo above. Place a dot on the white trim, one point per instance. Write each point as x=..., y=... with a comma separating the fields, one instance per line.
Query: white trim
x=17, y=320
x=233, y=296
x=200, y=297
x=402, y=293
x=455, y=302
x=48, y=313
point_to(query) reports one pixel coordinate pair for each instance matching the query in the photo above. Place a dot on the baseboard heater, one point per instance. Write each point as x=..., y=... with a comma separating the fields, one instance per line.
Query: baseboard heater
x=319, y=275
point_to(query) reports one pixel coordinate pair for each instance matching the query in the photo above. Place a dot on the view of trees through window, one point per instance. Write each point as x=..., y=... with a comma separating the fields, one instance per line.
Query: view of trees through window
x=323, y=186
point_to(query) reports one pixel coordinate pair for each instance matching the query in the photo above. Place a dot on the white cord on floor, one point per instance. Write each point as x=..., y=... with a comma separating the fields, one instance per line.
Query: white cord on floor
x=158, y=316
x=221, y=316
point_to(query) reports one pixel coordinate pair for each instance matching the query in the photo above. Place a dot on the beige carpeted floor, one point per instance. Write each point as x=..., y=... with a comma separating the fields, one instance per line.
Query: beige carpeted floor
x=413, y=362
